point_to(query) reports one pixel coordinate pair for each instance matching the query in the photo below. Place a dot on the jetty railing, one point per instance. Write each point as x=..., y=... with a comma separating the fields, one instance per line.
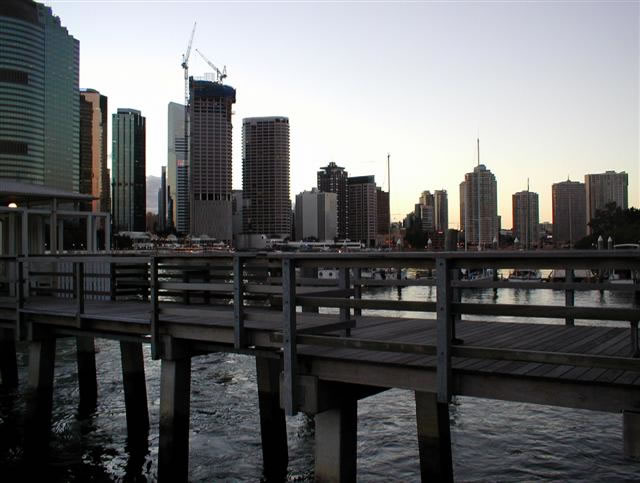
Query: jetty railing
x=281, y=286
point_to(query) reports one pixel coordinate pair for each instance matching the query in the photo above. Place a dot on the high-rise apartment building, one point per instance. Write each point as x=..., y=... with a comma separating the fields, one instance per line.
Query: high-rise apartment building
x=384, y=212
x=316, y=215
x=426, y=212
x=363, y=209
x=605, y=188
x=128, y=168
x=333, y=179
x=265, y=176
x=569, y=212
x=94, y=171
x=479, y=207
x=39, y=71
x=162, y=201
x=178, y=167
x=210, y=110
x=525, y=218
x=441, y=211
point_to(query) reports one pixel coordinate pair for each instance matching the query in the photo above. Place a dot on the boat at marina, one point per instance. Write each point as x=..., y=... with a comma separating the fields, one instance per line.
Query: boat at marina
x=525, y=275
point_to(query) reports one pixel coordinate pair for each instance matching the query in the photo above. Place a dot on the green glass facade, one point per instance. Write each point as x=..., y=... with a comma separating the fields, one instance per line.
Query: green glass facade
x=39, y=105
x=128, y=182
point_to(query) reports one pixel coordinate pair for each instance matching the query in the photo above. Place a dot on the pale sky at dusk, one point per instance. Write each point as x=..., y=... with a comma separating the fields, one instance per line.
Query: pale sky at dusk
x=551, y=88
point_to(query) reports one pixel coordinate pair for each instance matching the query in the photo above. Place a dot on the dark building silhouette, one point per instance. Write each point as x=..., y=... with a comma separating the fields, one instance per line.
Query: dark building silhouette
x=363, y=209
x=333, y=179
x=569, y=212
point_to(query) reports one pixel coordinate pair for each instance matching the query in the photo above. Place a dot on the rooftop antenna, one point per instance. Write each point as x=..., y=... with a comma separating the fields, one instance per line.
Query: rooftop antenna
x=478, y=151
x=389, y=193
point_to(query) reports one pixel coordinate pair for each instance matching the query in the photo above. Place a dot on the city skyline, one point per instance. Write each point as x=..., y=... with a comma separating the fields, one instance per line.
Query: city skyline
x=547, y=107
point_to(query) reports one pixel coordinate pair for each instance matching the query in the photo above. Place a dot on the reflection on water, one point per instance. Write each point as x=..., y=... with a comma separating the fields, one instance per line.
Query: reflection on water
x=492, y=440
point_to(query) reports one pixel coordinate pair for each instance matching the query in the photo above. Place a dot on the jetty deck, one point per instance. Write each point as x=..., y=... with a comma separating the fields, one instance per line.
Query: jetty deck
x=322, y=363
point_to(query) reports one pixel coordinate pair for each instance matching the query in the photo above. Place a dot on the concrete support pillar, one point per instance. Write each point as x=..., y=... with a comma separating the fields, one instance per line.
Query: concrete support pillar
x=13, y=231
x=39, y=397
x=631, y=434
x=434, y=438
x=336, y=438
x=175, y=395
x=135, y=391
x=60, y=234
x=87, y=380
x=273, y=426
x=24, y=236
x=8, y=362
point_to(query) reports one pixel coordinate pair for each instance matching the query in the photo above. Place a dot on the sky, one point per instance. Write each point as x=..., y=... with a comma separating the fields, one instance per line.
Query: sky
x=550, y=88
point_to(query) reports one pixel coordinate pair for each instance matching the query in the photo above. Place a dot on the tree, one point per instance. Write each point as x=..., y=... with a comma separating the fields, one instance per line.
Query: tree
x=623, y=226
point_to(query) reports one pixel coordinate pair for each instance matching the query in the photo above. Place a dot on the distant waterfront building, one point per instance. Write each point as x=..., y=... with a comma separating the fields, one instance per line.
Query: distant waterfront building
x=178, y=167
x=525, y=218
x=210, y=110
x=316, y=215
x=128, y=170
x=426, y=212
x=333, y=179
x=605, y=188
x=94, y=171
x=39, y=71
x=479, y=207
x=162, y=201
x=441, y=211
x=265, y=176
x=363, y=209
x=384, y=212
x=569, y=212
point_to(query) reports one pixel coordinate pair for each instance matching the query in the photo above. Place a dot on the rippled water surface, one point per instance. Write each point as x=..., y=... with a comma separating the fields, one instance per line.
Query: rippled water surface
x=491, y=440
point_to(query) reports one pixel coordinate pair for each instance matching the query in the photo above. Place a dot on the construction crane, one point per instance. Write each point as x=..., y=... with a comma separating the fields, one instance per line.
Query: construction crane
x=220, y=76
x=185, y=67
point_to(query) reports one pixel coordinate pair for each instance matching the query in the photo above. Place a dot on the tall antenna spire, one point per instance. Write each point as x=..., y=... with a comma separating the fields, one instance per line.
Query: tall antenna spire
x=478, y=151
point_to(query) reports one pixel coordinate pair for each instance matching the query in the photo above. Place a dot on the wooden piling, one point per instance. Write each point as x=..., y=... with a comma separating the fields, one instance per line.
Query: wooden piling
x=336, y=438
x=631, y=434
x=175, y=395
x=135, y=390
x=87, y=379
x=39, y=397
x=434, y=438
x=273, y=427
x=8, y=361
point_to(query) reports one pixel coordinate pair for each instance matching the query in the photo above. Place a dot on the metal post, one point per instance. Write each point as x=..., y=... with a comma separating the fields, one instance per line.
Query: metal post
x=569, y=294
x=155, y=310
x=78, y=269
x=289, y=334
x=239, y=333
x=444, y=329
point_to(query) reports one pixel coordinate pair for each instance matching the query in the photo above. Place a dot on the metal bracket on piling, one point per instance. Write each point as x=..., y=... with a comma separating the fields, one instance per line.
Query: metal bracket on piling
x=239, y=333
x=289, y=334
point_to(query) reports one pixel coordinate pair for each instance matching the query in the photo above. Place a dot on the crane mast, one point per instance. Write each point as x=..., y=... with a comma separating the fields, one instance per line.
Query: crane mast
x=185, y=67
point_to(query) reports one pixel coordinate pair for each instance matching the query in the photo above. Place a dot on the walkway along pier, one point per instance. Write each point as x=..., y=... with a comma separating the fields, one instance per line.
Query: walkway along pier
x=270, y=306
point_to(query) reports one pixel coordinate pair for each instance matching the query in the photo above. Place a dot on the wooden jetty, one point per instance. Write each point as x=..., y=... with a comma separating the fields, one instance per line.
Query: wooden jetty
x=267, y=306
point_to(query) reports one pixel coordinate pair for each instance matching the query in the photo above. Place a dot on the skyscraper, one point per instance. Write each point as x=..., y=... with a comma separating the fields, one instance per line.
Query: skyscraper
x=426, y=213
x=316, y=215
x=265, y=176
x=569, y=212
x=94, y=172
x=128, y=168
x=384, y=214
x=39, y=92
x=604, y=188
x=479, y=206
x=162, y=201
x=178, y=167
x=441, y=210
x=526, y=218
x=363, y=209
x=333, y=179
x=210, y=110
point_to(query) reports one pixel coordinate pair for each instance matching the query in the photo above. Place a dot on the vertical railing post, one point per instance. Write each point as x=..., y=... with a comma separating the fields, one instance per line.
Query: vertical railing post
x=569, y=294
x=112, y=280
x=289, y=334
x=444, y=328
x=344, y=283
x=155, y=310
x=239, y=333
x=19, y=298
x=78, y=276
x=357, y=288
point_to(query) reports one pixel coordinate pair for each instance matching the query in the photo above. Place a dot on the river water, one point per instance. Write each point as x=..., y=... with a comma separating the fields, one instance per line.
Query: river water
x=491, y=440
